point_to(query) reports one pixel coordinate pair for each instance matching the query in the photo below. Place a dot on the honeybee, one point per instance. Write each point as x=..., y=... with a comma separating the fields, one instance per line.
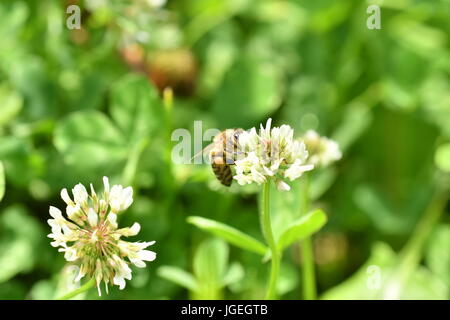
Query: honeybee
x=222, y=154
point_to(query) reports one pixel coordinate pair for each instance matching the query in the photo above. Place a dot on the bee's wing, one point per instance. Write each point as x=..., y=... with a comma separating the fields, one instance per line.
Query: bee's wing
x=205, y=150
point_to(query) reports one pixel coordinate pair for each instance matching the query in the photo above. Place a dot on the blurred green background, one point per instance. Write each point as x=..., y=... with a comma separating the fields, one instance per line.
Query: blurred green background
x=76, y=105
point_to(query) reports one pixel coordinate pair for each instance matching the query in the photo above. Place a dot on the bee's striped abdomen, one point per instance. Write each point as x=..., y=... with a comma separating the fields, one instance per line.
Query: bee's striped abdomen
x=223, y=173
x=223, y=155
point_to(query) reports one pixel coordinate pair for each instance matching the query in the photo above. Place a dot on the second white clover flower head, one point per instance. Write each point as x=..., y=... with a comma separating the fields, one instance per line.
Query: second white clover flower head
x=271, y=154
x=322, y=150
x=91, y=236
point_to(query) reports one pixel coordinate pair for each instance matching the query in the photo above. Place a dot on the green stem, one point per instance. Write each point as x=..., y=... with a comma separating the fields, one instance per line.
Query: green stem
x=309, y=275
x=81, y=289
x=306, y=250
x=130, y=170
x=168, y=107
x=268, y=234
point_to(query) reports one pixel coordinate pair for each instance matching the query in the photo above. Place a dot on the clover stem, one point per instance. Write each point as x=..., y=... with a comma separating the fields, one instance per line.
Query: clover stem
x=306, y=250
x=268, y=235
x=76, y=292
x=169, y=182
x=309, y=277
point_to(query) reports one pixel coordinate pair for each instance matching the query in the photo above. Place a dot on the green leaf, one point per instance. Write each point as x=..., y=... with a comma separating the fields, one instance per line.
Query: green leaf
x=375, y=269
x=234, y=274
x=211, y=262
x=2, y=181
x=136, y=107
x=11, y=104
x=371, y=203
x=442, y=157
x=285, y=207
x=355, y=121
x=374, y=278
x=288, y=280
x=43, y=290
x=251, y=89
x=89, y=140
x=178, y=276
x=230, y=234
x=438, y=253
x=20, y=237
x=302, y=228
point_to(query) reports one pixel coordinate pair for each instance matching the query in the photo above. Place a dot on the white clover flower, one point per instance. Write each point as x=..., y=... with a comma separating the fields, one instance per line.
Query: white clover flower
x=322, y=151
x=91, y=237
x=272, y=154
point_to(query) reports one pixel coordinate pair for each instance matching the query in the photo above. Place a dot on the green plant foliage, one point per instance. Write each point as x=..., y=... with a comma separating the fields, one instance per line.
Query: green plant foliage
x=78, y=135
x=179, y=276
x=230, y=234
x=442, y=157
x=80, y=104
x=136, y=108
x=21, y=234
x=211, y=271
x=368, y=284
x=301, y=228
x=250, y=88
x=438, y=255
x=2, y=181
